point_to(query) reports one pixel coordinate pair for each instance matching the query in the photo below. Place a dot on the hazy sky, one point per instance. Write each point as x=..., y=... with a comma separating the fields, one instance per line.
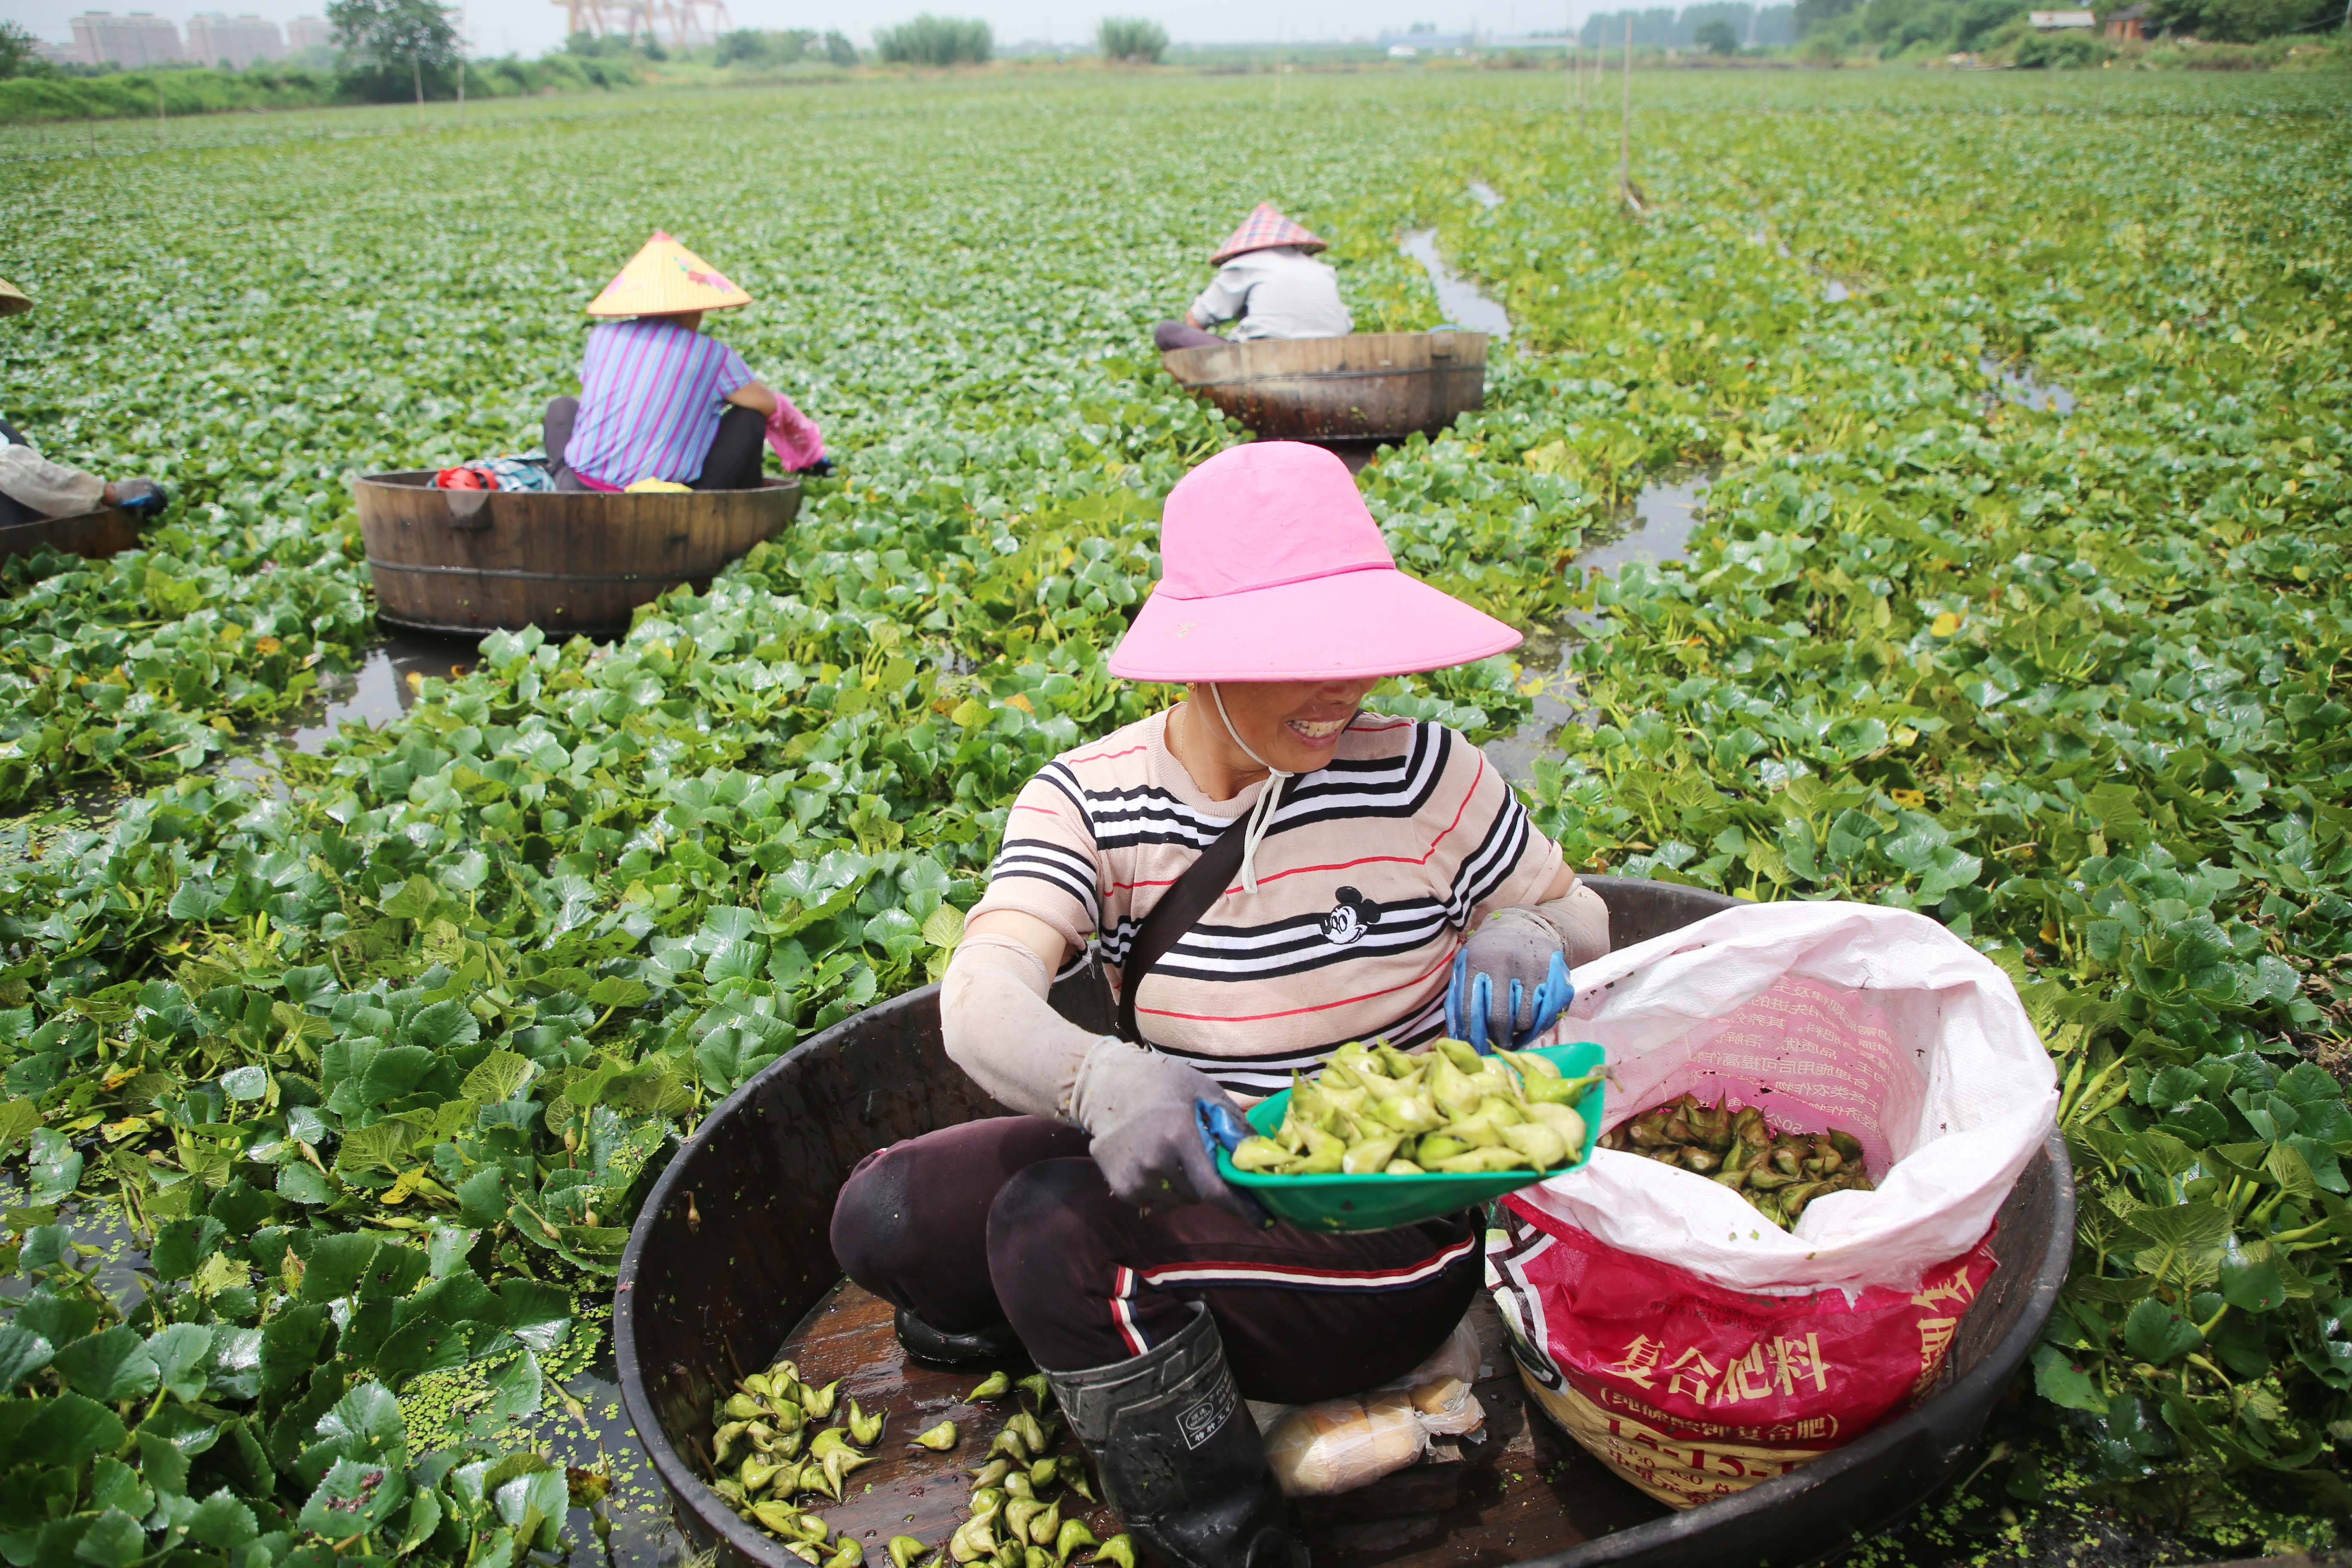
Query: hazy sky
x=528, y=27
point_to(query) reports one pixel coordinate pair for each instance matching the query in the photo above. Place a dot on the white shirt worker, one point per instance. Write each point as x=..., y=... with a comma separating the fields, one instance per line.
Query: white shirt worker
x=1278, y=292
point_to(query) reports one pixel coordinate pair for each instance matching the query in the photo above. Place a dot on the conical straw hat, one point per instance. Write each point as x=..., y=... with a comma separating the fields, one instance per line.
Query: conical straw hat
x=12, y=299
x=1262, y=230
x=663, y=279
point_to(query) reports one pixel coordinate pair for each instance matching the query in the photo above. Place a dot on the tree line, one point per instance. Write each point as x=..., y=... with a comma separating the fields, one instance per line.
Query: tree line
x=1891, y=26
x=1832, y=30
x=1720, y=26
x=929, y=40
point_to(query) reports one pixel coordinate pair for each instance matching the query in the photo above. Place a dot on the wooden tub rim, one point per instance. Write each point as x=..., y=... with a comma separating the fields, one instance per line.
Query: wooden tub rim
x=101, y=524
x=1453, y=362
x=1983, y=1383
x=776, y=501
x=418, y=480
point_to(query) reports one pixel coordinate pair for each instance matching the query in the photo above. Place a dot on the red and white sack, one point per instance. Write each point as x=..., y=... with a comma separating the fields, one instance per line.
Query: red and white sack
x=1688, y=1341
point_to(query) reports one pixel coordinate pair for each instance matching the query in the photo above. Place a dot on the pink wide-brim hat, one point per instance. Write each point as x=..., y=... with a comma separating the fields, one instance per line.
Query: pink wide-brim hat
x=1273, y=570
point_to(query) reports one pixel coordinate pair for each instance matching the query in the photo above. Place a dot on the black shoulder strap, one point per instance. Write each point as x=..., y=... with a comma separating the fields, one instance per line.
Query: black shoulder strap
x=1179, y=910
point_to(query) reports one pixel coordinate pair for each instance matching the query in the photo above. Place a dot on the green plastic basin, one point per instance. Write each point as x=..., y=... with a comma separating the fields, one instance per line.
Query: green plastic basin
x=1383, y=1202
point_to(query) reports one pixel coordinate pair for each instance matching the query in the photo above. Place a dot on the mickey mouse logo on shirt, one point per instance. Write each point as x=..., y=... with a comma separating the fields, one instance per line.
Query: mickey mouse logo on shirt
x=1349, y=919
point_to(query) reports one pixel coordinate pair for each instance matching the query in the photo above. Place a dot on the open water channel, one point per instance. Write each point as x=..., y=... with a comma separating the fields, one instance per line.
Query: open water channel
x=1656, y=528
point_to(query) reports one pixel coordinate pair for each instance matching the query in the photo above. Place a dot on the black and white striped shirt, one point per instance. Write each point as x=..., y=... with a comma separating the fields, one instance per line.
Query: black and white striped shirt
x=1371, y=871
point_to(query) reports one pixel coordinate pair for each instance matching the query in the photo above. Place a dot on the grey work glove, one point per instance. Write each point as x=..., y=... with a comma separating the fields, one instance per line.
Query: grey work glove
x=1138, y=1106
x=1514, y=945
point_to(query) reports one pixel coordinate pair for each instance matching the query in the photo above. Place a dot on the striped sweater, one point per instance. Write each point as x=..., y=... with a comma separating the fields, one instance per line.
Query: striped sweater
x=651, y=395
x=1374, y=869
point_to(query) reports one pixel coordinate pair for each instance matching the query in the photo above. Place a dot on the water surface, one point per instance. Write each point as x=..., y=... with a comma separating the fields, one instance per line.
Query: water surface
x=1465, y=303
x=1658, y=529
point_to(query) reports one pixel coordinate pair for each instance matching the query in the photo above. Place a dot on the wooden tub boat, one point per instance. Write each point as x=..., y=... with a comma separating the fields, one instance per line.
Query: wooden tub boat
x=564, y=561
x=1372, y=386
x=728, y=1266
x=109, y=530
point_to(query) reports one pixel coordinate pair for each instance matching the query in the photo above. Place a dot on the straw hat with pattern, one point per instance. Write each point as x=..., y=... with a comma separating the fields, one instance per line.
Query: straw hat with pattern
x=1262, y=230
x=12, y=299
x=665, y=278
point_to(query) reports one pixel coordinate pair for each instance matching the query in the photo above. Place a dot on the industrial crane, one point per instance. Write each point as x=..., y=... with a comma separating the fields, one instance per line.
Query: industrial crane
x=684, y=21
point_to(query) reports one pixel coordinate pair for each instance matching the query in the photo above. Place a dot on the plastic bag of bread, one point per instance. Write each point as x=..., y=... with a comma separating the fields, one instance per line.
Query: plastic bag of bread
x=1339, y=1445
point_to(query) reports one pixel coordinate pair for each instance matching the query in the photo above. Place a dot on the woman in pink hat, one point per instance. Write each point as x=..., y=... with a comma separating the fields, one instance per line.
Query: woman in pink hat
x=1350, y=858
x=1269, y=281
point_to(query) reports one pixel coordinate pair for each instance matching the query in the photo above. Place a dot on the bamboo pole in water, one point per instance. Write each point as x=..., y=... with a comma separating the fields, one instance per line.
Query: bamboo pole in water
x=1625, y=121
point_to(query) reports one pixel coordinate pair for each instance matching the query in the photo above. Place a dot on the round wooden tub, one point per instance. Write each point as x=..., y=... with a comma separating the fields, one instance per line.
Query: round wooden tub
x=1372, y=386
x=564, y=561
x=728, y=1265
x=94, y=535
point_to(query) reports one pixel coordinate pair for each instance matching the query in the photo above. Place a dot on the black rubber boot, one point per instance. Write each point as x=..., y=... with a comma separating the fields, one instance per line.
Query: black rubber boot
x=990, y=1346
x=1179, y=1455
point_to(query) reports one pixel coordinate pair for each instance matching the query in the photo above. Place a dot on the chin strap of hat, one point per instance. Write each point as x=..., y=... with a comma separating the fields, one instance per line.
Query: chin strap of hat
x=1262, y=814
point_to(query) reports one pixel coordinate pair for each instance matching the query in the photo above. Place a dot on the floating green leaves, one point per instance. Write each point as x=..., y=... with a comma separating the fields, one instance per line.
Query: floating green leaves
x=2075, y=685
x=384, y=1066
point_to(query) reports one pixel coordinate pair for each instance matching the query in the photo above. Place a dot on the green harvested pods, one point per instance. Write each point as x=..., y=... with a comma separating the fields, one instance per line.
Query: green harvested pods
x=1374, y=1111
x=1779, y=1175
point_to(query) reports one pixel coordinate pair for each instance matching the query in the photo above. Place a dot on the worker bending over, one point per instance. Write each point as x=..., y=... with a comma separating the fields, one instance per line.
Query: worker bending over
x=1269, y=279
x=1349, y=857
x=33, y=489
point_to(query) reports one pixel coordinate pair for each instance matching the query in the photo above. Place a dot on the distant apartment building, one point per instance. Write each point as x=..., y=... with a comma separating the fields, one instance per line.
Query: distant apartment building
x=306, y=33
x=139, y=39
x=234, y=42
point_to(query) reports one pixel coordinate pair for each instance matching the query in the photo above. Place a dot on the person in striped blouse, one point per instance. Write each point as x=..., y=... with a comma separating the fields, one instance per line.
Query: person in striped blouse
x=659, y=400
x=1093, y=1227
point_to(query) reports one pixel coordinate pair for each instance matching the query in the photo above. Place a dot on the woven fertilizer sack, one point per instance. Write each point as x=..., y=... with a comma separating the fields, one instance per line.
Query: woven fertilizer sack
x=1688, y=1340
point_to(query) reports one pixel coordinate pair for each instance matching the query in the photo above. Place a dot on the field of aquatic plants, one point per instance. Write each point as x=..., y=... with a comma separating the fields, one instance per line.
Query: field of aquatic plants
x=380, y=1063
x=2075, y=685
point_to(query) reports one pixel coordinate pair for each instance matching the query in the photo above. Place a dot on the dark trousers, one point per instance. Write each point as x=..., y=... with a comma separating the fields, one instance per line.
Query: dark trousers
x=11, y=509
x=1009, y=1219
x=1169, y=336
x=732, y=464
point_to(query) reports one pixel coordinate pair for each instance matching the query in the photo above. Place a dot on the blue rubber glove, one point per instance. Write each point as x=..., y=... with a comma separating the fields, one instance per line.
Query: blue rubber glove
x=142, y=497
x=1510, y=984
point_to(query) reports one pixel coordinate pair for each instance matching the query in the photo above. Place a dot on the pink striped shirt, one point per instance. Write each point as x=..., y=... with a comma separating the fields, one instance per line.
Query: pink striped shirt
x=651, y=392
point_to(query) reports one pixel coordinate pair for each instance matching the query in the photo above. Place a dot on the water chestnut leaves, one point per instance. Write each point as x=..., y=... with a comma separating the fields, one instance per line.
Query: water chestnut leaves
x=2155, y=1333
x=2069, y=683
x=109, y=1366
